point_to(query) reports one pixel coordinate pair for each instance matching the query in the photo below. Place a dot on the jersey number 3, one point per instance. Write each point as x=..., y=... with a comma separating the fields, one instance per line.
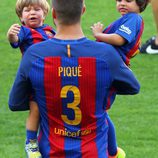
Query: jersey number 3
x=73, y=105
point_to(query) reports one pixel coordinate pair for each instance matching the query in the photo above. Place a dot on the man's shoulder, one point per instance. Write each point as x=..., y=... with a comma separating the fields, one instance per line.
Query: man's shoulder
x=104, y=51
x=40, y=45
x=105, y=47
x=94, y=48
x=101, y=45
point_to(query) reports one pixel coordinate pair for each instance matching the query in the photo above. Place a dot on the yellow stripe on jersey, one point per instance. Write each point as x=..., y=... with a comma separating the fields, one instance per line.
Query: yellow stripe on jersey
x=68, y=51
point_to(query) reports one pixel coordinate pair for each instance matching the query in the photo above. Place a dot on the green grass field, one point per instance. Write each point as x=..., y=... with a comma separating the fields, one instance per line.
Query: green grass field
x=135, y=117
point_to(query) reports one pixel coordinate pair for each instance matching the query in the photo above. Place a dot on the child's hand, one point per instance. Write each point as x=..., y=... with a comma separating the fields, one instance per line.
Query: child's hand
x=12, y=33
x=97, y=29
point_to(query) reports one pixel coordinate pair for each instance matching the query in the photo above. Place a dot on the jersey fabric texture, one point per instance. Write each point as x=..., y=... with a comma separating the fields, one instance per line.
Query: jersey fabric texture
x=71, y=80
x=130, y=27
x=29, y=36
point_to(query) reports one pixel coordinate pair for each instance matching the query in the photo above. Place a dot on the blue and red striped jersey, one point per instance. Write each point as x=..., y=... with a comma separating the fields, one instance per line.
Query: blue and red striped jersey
x=130, y=27
x=71, y=80
x=29, y=36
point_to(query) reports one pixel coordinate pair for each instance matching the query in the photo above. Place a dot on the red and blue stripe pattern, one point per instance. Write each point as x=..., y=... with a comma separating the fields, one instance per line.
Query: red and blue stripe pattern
x=29, y=36
x=135, y=24
x=135, y=49
x=73, y=90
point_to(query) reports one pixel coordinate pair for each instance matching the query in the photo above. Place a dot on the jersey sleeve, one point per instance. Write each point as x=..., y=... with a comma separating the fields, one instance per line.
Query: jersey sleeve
x=123, y=79
x=129, y=26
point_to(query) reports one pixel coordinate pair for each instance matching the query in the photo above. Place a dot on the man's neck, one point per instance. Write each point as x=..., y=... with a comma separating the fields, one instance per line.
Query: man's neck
x=70, y=32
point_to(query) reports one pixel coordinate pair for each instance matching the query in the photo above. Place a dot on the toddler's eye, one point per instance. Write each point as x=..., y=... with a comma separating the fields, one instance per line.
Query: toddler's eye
x=26, y=10
x=37, y=9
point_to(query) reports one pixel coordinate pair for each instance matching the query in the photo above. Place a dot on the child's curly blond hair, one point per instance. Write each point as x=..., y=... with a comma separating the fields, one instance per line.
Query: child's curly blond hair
x=20, y=4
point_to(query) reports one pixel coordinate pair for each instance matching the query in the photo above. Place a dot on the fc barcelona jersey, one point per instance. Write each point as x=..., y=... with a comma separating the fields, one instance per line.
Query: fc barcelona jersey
x=71, y=81
x=130, y=27
x=29, y=36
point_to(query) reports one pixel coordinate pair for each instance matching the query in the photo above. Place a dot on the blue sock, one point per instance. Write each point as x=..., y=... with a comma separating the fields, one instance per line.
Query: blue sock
x=30, y=135
x=112, y=144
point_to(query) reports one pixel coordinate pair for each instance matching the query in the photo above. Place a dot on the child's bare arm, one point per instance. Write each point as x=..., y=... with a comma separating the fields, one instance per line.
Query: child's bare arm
x=97, y=29
x=113, y=38
x=12, y=33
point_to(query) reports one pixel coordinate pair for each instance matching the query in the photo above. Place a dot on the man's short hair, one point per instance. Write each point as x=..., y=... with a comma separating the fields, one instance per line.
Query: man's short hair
x=68, y=12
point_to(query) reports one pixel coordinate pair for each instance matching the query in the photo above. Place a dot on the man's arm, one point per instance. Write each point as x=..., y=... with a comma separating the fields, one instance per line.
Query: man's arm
x=124, y=80
x=20, y=93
